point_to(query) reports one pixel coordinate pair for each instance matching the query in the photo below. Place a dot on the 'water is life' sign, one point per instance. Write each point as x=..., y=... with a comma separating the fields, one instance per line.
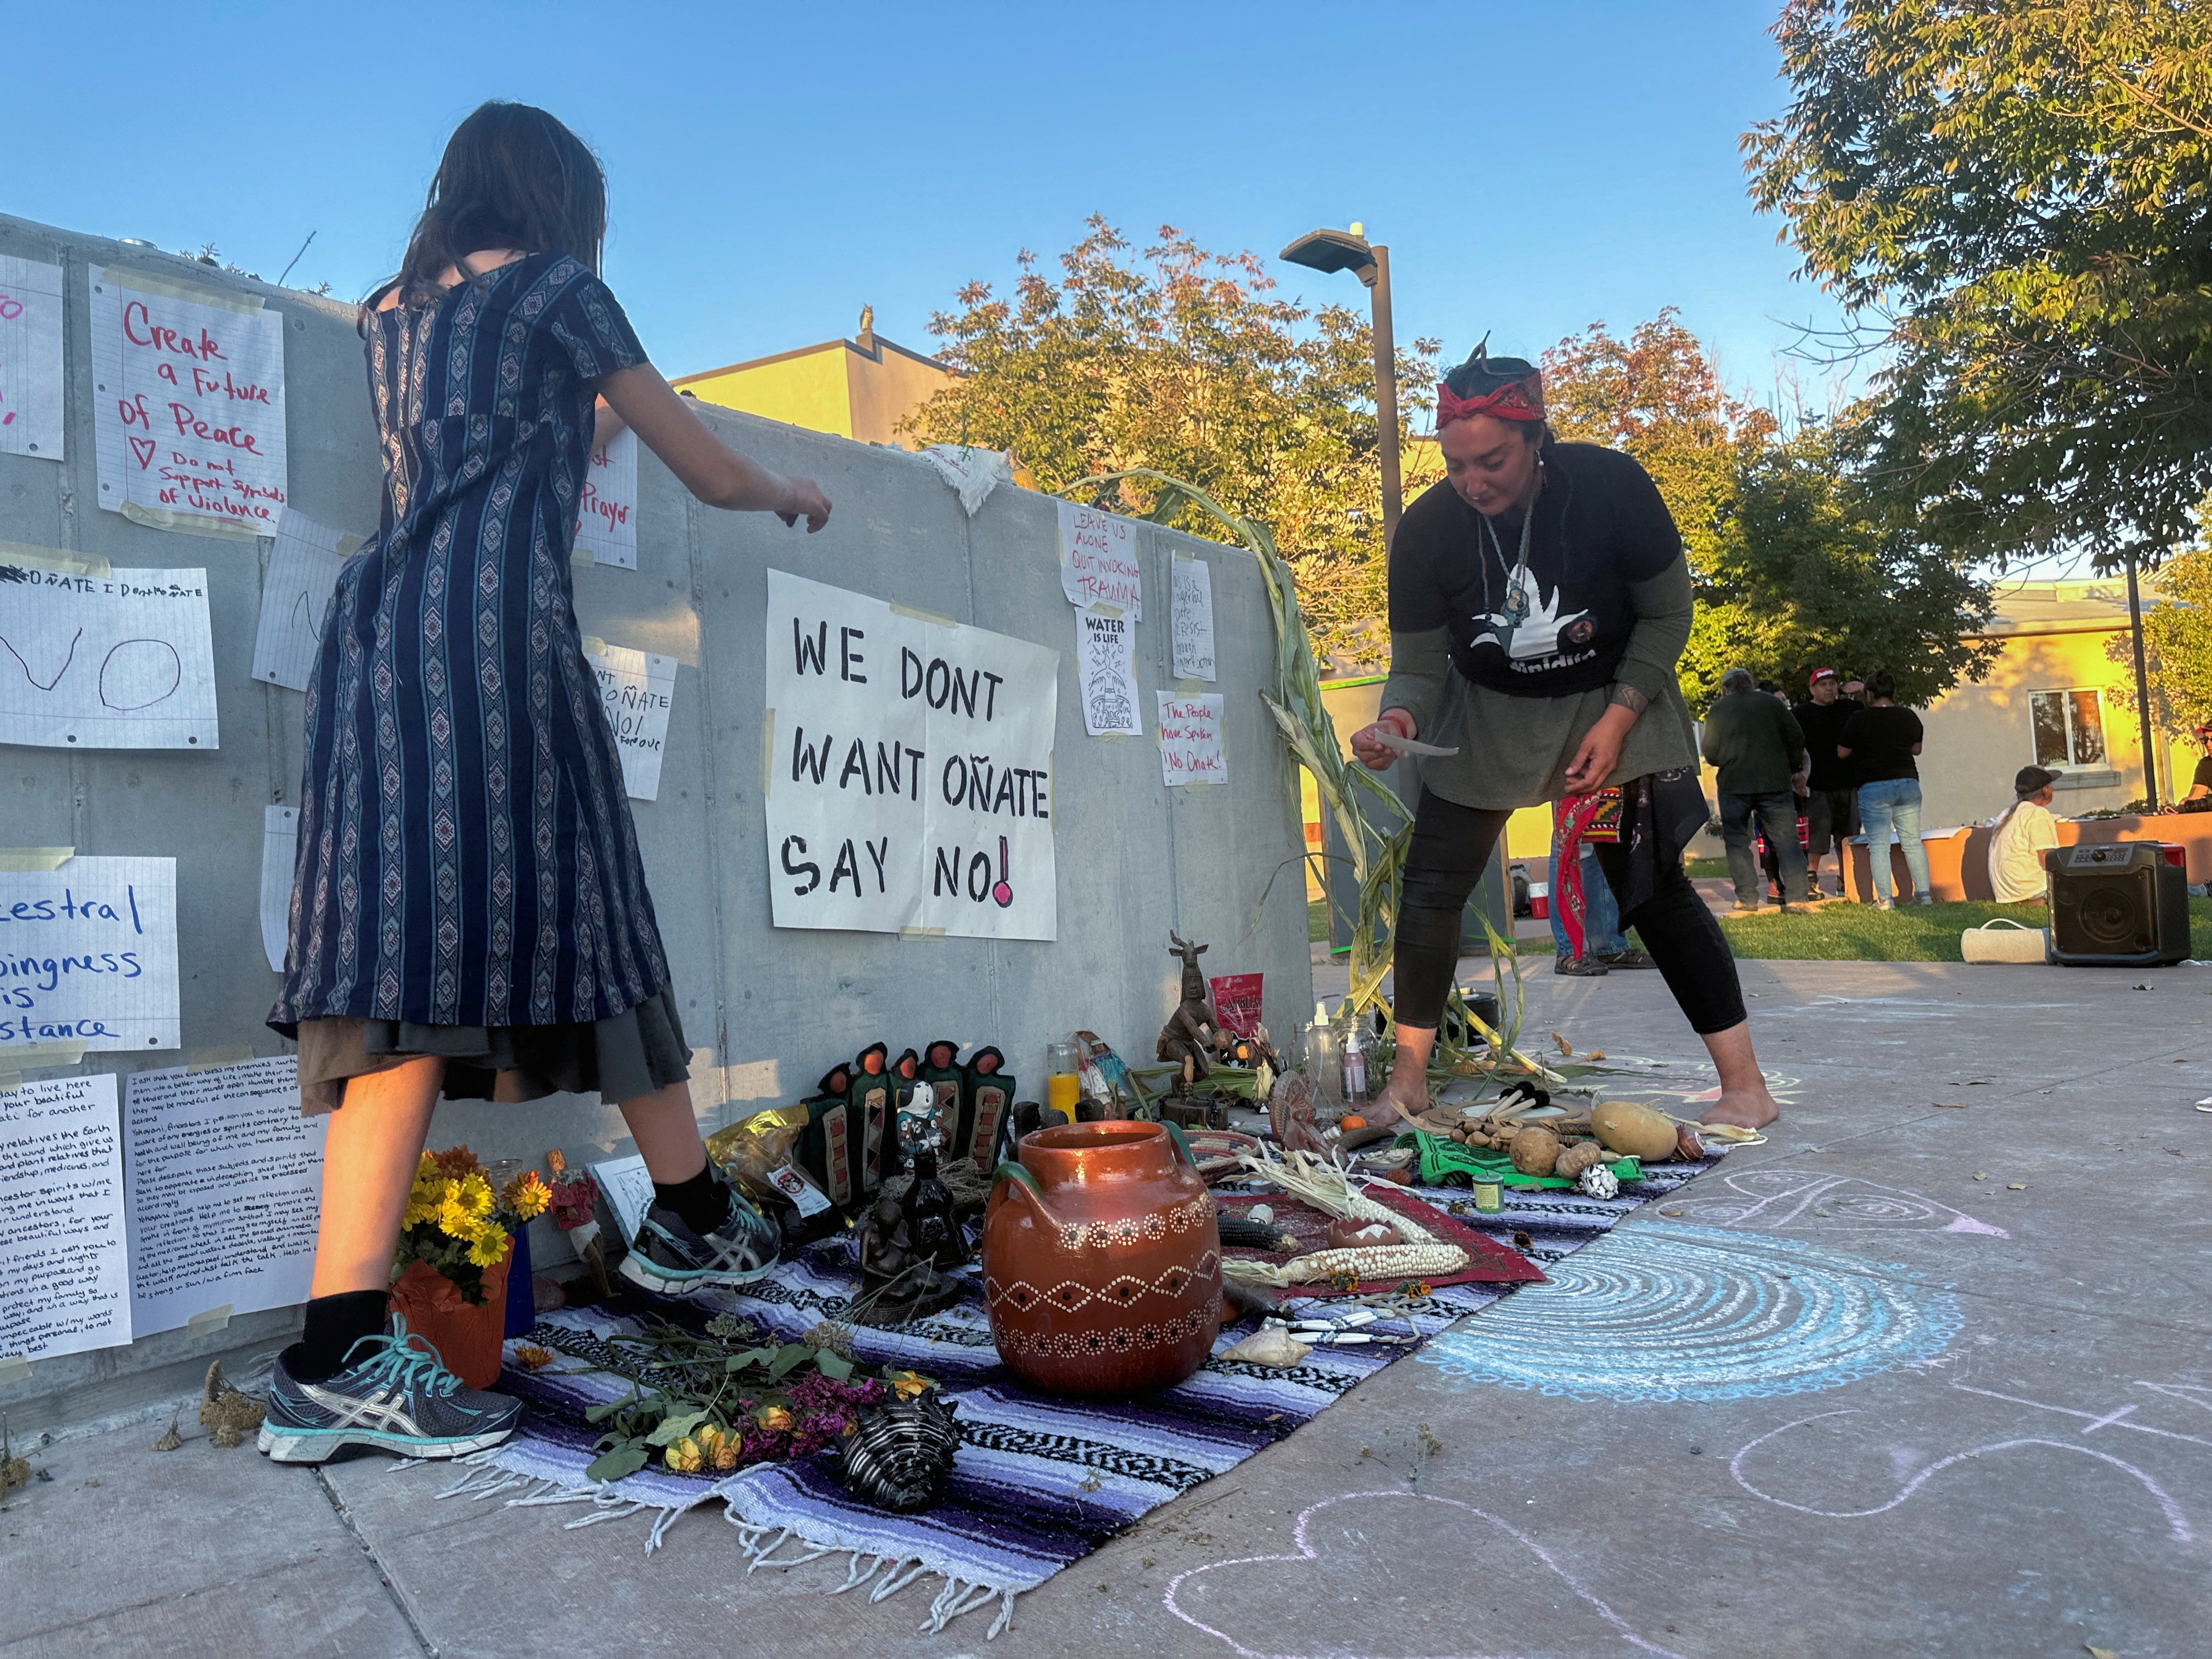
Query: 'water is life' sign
x=909, y=769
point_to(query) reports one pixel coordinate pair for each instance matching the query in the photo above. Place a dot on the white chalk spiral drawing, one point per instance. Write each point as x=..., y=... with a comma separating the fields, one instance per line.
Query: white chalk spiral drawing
x=1302, y=1536
x=2176, y=1521
x=1660, y=1312
x=1769, y=1200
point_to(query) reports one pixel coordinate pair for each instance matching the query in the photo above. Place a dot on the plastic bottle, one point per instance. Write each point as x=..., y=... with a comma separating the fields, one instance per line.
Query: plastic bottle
x=1325, y=1067
x=1359, y=1050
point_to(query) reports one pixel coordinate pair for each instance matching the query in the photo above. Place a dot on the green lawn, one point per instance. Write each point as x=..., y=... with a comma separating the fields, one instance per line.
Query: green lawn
x=1859, y=933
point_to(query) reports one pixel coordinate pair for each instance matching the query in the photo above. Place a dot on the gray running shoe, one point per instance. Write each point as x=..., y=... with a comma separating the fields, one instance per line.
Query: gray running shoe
x=670, y=1258
x=398, y=1396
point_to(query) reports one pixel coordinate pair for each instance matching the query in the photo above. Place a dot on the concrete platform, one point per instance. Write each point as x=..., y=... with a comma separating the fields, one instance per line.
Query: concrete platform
x=1838, y=1396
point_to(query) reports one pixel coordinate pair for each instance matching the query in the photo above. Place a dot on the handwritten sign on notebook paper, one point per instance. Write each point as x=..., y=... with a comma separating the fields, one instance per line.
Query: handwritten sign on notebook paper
x=226, y=1182
x=120, y=661
x=88, y=954
x=1190, y=739
x=1190, y=619
x=280, y=847
x=1098, y=563
x=188, y=404
x=295, y=597
x=606, y=524
x=32, y=406
x=637, y=689
x=64, y=1259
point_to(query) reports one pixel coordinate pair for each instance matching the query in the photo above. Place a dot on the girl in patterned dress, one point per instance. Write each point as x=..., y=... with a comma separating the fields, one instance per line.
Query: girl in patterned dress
x=470, y=913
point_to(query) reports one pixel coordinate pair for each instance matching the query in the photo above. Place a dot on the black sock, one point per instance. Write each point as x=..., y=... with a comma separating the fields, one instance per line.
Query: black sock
x=702, y=1201
x=335, y=1323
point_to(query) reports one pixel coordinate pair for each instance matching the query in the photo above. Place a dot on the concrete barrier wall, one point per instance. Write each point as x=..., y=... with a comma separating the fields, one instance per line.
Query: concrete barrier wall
x=1135, y=858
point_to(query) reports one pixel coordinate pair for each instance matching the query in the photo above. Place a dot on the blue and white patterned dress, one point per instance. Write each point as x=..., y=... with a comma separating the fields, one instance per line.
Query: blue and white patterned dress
x=466, y=856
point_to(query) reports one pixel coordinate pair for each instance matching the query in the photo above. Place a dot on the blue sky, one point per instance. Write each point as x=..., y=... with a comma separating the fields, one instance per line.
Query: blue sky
x=1533, y=167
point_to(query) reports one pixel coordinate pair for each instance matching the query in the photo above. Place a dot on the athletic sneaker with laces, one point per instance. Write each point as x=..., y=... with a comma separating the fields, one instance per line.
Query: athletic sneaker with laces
x=670, y=1257
x=1569, y=967
x=397, y=1397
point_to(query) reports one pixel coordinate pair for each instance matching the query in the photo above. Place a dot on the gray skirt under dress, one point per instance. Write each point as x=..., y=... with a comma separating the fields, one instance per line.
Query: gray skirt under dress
x=632, y=1055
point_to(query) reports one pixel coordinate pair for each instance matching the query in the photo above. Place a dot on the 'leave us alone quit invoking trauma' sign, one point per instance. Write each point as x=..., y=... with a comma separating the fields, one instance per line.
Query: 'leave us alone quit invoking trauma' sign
x=909, y=769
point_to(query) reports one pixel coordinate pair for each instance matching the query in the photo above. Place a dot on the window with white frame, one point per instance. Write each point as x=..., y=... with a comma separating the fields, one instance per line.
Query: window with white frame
x=2069, y=727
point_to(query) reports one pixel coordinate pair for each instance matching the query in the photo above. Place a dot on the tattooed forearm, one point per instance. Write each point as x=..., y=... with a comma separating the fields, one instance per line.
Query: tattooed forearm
x=1628, y=697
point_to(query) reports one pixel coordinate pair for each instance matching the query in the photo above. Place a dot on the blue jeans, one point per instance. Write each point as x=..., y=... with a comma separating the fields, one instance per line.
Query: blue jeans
x=1601, y=934
x=1893, y=804
x=1776, y=812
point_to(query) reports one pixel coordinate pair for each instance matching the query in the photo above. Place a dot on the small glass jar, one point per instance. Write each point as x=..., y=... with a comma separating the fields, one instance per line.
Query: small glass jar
x=1063, y=1083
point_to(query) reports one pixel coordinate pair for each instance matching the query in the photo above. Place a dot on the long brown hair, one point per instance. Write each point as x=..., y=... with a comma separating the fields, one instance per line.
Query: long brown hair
x=511, y=177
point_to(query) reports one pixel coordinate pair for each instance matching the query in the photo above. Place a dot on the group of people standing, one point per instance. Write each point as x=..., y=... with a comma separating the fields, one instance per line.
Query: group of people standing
x=1844, y=759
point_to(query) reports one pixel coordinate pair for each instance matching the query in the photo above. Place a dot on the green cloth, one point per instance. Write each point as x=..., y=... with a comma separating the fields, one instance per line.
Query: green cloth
x=1754, y=741
x=1513, y=751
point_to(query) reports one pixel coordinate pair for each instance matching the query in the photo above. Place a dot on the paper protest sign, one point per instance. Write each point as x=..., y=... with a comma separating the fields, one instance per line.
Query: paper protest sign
x=295, y=597
x=120, y=661
x=88, y=954
x=1190, y=619
x=607, y=522
x=909, y=769
x=280, y=849
x=1190, y=739
x=64, y=1260
x=637, y=689
x=32, y=410
x=225, y=1183
x=1106, y=674
x=188, y=404
x=1098, y=561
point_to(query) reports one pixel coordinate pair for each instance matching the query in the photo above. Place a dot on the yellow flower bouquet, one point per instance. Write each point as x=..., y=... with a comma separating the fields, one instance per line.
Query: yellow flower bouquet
x=458, y=1224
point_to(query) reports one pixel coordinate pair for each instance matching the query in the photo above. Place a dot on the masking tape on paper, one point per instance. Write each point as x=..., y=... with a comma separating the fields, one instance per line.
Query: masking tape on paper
x=581, y=554
x=1194, y=786
x=594, y=646
x=208, y=1060
x=189, y=524
x=1189, y=688
x=32, y=1055
x=14, y=1368
x=911, y=934
x=898, y=610
x=23, y=859
x=169, y=287
x=1100, y=608
x=215, y=1319
x=52, y=558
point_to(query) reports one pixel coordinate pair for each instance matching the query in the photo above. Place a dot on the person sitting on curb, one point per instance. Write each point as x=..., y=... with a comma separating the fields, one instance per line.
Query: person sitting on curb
x=2024, y=834
x=1755, y=743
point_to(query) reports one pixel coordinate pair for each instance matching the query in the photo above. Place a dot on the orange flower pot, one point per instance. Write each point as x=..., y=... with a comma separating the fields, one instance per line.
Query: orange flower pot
x=1102, y=1260
x=467, y=1337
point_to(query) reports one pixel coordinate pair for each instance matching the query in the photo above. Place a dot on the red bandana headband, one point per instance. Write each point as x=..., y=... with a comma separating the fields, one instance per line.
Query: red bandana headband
x=1521, y=400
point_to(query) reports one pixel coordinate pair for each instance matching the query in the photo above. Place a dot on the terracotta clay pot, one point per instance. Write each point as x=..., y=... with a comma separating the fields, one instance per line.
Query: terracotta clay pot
x=1102, y=1262
x=467, y=1337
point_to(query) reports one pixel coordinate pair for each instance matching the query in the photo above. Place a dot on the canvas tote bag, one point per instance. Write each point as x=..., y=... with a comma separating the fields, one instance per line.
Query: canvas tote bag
x=2005, y=940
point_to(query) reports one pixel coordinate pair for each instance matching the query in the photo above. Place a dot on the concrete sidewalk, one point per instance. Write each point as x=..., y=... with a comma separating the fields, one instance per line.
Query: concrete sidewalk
x=1838, y=1396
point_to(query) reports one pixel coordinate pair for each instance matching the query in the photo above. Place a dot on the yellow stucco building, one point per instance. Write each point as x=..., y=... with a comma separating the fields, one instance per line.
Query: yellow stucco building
x=2052, y=698
x=859, y=389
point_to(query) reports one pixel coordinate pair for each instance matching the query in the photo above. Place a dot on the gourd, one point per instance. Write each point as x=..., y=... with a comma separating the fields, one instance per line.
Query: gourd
x=1634, y=1130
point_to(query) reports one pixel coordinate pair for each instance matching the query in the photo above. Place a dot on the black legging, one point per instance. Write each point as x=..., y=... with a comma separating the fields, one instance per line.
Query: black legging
x=1451, y=846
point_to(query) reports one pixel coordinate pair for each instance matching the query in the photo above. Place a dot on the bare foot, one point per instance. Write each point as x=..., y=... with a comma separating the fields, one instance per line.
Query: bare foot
x=1746, y=1108
x=1405, y=1102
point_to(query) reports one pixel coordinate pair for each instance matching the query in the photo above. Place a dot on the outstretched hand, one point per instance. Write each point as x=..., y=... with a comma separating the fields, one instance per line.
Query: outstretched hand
x=806, y=499
x=1370, y=750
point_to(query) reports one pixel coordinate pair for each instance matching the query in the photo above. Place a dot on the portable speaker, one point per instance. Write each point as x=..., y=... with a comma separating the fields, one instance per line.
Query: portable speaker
x=2124, y=904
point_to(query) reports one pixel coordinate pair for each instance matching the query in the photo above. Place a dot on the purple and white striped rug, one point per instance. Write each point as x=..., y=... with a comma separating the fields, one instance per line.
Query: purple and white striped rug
x=1039, y=1481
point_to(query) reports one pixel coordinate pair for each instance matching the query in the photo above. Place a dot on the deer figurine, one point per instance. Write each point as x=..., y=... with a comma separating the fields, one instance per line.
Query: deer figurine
x=1189, y=1036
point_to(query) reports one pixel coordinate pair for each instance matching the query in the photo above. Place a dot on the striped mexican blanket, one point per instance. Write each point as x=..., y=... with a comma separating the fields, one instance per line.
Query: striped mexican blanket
x=1039, y=1481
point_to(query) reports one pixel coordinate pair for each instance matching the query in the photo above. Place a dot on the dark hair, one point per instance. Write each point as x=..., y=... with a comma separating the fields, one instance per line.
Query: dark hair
x=1881, y=683
x=511, y=177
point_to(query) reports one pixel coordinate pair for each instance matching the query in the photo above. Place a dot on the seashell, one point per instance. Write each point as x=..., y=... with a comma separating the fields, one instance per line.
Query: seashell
x=1598, y=1182
x=1271, y=1344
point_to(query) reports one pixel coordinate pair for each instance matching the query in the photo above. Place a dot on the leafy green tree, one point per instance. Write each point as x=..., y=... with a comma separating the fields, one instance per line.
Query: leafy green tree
x=1185, y=361
x=2016, y=197
x=2176, y=645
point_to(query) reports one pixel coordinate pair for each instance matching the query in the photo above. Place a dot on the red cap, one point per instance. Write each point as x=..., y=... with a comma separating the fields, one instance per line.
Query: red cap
x=1819, y=674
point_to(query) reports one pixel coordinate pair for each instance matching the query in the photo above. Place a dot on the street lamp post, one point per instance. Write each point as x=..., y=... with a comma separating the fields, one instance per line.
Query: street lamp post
x=1338, y=250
